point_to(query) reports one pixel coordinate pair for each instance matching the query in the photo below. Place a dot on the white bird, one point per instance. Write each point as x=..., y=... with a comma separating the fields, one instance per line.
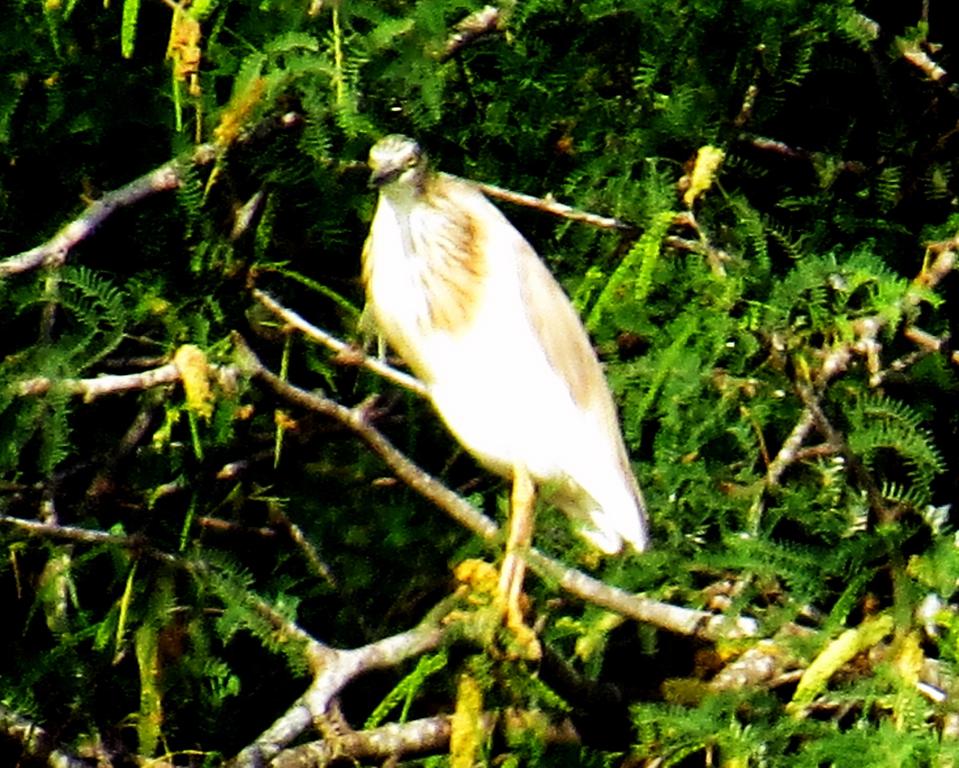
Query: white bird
x=461, y=296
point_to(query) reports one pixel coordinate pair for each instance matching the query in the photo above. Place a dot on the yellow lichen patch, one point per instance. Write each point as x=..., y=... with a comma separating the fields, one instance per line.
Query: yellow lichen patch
x=909, y=659
x=194, y=370
x=184, y=48
x=466, y=725
x=479, y=580
x=593, y=641
x=708, y=160
x=237, y=113
x=284, y=421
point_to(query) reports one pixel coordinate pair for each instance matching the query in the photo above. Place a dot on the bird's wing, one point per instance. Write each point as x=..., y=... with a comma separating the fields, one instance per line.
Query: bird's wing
x=561, y=334
x=569, y=351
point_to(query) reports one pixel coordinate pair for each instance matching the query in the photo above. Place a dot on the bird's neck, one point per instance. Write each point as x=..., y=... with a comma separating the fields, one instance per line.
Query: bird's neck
x=404, y=196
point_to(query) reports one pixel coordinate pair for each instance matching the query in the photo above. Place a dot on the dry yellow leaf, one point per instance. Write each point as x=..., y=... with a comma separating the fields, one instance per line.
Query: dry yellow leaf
x=843, y=649
x=909, y=659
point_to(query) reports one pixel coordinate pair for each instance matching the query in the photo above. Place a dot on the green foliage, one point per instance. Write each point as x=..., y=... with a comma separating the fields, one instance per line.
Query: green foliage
x=879, y=424
x=407, y=688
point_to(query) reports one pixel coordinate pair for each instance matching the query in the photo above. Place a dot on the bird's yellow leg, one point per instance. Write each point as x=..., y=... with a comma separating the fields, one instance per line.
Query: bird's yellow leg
x=522, y=513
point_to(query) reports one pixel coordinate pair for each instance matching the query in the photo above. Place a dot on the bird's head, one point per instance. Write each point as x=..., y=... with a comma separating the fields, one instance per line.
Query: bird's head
x=397, y=162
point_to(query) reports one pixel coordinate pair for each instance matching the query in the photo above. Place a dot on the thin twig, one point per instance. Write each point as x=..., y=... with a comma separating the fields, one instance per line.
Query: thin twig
x=348, y=353
x=302, y=541
x=83, y=535
x=548, y=205
x=486, y=21
x=54, y=251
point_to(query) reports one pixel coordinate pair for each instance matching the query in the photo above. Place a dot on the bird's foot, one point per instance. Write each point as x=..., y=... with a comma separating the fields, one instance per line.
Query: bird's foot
x=521, y=639
x=334, y=729
x=492, y=611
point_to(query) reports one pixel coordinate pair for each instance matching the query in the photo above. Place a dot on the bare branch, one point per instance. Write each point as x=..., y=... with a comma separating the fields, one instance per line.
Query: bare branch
x=549, y=205
x=760, y=665
x=766, y=144
x=417, y=737
x=673, y=618
x=927, y=343
x=98, y=386
x=920, y=59
x=37, y=744
x=481, y=23
x=944, y=262
x=55, y=250
x=82, y=535
x=348, y=353
x=161, y=179
x=333, y=671
x=790, y=448
x=428, y=735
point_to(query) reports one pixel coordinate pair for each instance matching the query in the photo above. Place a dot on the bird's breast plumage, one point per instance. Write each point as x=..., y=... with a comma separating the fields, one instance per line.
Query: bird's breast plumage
x=425, y=273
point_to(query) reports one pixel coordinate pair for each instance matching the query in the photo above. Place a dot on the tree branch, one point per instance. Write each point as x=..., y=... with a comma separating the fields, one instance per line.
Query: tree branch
x=486, y=21
x=672, y=618
x=37, y=744
x=83, y=535
x=98, y=386
x=54, y=251
x=347, y=352
x=335, y=669
x=416, y=737
x=549, y=205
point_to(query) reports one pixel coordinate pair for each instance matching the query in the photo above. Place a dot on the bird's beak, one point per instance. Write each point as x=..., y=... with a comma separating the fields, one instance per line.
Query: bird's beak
x=381, y=176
